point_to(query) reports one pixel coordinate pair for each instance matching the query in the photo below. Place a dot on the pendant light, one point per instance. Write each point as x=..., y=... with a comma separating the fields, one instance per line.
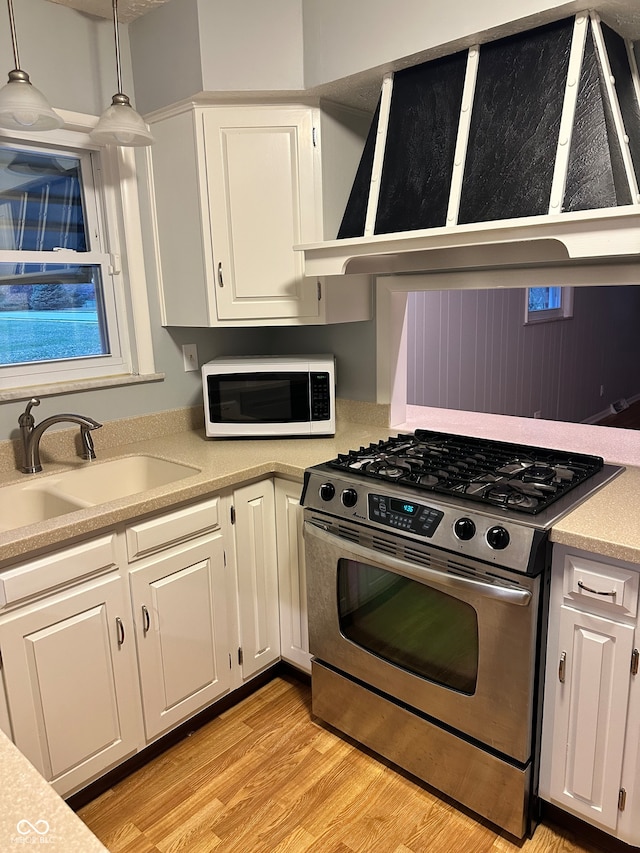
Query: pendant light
x=22, y=106
x=120, y=124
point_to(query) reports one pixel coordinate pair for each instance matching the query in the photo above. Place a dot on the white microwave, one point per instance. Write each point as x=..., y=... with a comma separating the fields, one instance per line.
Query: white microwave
x=269, y=396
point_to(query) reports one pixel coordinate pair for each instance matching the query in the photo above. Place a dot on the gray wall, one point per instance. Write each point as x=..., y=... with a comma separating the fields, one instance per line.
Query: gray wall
x=470, y=350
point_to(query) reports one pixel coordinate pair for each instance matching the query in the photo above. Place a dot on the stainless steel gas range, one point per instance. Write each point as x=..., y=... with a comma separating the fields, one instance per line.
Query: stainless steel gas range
x=428, y=572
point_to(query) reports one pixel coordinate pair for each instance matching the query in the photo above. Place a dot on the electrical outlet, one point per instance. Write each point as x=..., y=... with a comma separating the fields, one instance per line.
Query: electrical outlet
x=602, y=390
x=190, y=357
x=538, y=414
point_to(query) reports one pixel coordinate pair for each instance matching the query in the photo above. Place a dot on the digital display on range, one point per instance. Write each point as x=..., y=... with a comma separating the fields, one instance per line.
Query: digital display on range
x=404, y=514
x=403, y=506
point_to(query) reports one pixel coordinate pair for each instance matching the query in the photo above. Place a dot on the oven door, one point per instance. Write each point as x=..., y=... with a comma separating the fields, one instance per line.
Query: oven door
x=452, y=638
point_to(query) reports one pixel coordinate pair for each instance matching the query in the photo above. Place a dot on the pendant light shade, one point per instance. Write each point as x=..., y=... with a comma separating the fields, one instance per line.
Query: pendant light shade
x=22, y=106
x=120, y=124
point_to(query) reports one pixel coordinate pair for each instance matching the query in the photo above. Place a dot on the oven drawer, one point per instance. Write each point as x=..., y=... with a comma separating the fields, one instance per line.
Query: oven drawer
x=595, y=586
x=479, y=780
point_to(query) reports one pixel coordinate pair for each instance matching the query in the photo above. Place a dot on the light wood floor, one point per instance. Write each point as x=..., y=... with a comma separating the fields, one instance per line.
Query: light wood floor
x=265, y=778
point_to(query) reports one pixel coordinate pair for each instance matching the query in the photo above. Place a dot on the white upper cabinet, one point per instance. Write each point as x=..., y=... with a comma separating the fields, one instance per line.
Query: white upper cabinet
x=235, y=189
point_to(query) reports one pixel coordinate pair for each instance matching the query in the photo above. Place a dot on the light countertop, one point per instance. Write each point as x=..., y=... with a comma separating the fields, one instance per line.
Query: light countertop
x=608, y=523
x=31, y=813
x=222, y=464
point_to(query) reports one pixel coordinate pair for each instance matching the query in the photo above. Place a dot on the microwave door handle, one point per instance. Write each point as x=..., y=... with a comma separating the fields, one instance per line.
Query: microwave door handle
x=509, y=595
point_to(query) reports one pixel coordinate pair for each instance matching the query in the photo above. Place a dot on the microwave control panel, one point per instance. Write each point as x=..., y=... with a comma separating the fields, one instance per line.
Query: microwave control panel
x=320, y=396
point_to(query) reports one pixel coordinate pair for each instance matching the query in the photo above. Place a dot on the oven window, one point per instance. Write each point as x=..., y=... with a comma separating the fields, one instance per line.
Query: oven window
x=409, y=624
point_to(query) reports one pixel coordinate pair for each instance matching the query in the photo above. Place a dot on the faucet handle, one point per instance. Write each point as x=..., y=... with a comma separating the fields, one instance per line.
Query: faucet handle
x=26, y=418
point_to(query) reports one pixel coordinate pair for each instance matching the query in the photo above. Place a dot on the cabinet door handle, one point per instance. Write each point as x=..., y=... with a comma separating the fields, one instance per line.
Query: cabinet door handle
x=596, y=591
x=220, y=278
x=146, y=623
x=562, y=666
x=120, y=628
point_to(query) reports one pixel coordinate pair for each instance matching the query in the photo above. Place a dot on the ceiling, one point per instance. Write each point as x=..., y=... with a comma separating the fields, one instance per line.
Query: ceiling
x=128, y=10
x=623, y=15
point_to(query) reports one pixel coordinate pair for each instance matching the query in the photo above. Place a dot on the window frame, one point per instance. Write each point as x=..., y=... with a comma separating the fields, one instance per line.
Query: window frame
x=114, y=235
x=563, y=312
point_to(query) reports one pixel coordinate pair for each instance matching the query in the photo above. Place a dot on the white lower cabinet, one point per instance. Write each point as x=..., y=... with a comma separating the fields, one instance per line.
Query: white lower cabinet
x=294, y=625
x=589, y=734
x=257, y=577
x=180, y=604
x=109, y=644
x=69, y=669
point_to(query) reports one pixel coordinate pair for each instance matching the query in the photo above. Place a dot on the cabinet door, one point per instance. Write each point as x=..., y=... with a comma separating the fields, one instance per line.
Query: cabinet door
x=179, y=606
x=69, y=668
x=5, y=724
x=590, y=715
x=294, y=628
x=258, y=607
x=262, y=200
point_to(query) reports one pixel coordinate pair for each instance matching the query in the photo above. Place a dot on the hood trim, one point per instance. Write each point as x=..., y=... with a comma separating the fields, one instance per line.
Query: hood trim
x=514, y=221
x=585, y=239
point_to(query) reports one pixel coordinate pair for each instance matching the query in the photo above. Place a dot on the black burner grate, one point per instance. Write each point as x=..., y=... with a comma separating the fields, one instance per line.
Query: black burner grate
x=518, y=477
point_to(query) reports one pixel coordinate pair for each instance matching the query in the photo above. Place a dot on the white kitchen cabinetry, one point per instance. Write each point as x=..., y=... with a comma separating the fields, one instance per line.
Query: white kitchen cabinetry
x=257, y=576
x=69, y=670
x=180, y=603
x=235, y=189
x=5, y=723
x=294, y=627
x=589, y=759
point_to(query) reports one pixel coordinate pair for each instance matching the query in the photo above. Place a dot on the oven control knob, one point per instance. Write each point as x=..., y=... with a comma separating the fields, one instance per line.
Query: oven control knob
x=327, y=491
x=498, y=538
x=349, y=498
x=464, y=529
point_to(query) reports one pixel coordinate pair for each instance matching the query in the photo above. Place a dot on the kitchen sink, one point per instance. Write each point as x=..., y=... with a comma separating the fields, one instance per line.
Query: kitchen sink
x=94, y=483
x=30, y=504
x=100, y=482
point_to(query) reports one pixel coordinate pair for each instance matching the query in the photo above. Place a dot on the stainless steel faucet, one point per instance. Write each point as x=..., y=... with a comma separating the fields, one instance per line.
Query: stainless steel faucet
x=31, y=435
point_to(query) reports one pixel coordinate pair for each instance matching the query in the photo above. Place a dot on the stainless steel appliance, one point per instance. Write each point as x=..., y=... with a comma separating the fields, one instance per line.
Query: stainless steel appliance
x=428, y=572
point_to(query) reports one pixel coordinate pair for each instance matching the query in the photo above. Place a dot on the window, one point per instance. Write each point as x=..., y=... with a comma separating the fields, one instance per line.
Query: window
x=65, y=304
x=548, y=303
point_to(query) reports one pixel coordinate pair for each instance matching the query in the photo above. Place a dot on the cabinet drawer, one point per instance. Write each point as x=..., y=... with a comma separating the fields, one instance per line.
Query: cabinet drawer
x=171, y=527
x=596, y=586
x=56, y=570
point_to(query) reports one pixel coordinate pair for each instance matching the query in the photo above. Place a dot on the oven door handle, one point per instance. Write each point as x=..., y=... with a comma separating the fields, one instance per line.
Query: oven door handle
x=509, y=595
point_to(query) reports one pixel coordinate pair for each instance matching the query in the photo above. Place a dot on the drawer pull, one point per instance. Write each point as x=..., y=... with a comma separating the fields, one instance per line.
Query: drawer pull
x=562, y=666
x=146, y=624
x=120, y=628
x=596, y=591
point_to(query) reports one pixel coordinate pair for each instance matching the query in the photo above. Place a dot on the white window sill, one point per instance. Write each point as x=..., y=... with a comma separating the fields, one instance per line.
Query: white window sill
x=52, y=390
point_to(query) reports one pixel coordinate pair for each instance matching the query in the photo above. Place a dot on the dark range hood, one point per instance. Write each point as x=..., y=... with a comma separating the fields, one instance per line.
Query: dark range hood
x=522, y=153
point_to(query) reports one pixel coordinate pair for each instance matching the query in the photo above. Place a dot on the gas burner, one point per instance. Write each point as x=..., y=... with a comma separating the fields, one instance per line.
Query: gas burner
x=505, y=495
x=538, y=473
x=514, y=476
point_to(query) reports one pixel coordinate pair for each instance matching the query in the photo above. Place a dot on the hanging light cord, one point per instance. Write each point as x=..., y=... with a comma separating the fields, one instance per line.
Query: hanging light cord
x=14, y=40
x=117, y=41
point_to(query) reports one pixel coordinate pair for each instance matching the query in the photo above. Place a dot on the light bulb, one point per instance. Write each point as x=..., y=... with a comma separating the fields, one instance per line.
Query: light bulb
x=25, y=117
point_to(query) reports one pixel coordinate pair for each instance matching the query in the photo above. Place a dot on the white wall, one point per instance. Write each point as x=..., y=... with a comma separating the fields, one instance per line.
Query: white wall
x=69, y=56
x=185, y=47
x=364, y=34
x=166, y=59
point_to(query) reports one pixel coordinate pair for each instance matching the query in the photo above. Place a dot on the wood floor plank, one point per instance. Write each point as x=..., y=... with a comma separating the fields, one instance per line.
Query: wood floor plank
x=265, y=777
